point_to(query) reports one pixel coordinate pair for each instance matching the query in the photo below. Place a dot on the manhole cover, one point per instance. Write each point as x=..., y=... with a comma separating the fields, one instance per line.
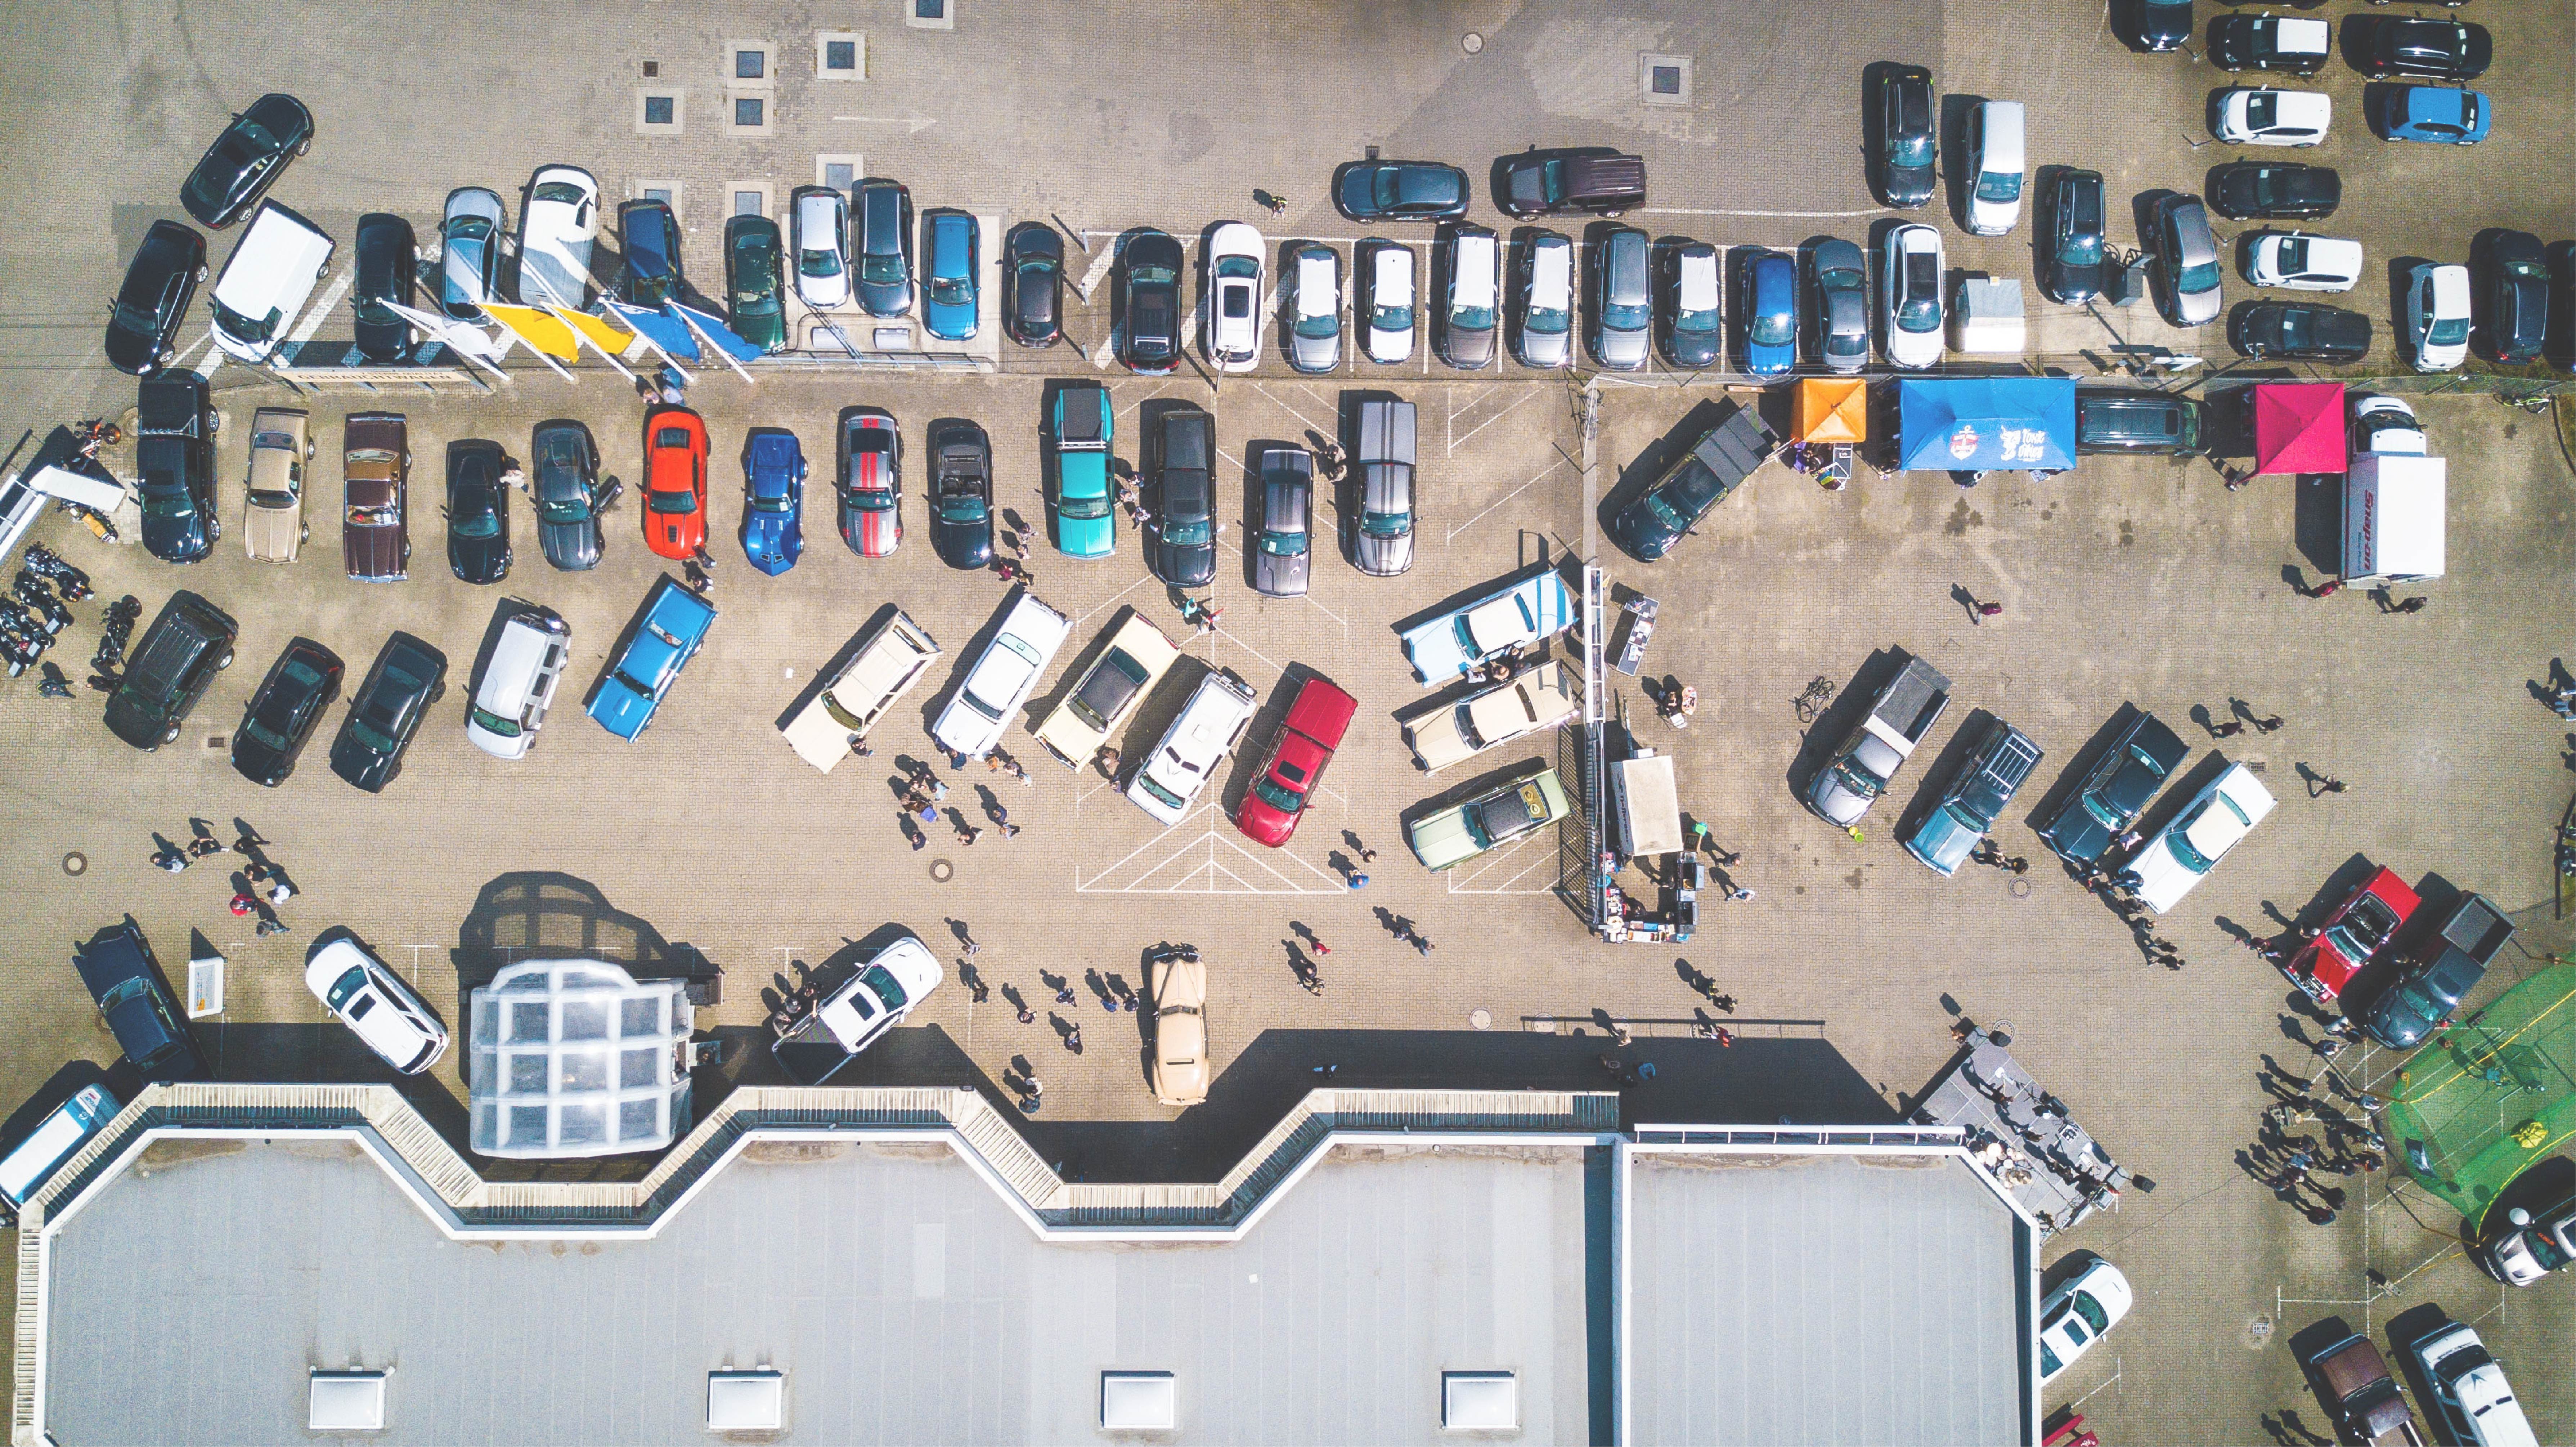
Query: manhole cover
x=1473, y=43
x=1481, y=1018
x=2019, y=888
x=942, y=871
x=76, y=863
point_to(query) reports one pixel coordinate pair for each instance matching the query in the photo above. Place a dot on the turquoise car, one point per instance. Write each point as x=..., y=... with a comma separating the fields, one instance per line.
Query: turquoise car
x=1083, y=525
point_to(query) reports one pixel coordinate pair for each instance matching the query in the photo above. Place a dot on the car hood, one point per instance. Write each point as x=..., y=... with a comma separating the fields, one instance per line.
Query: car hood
x=1442, y=839
x=962, y=545
x=273, y=534
x=1187, y=564
x=361, y=765
x=373, y=550
x=1280, y=576
x=1944, y=841
x=1085, y=537
x=177, y=539
x=1835, y=801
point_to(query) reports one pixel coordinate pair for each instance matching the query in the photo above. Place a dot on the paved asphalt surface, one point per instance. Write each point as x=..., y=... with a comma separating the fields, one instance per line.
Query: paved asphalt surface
x=2122, y=583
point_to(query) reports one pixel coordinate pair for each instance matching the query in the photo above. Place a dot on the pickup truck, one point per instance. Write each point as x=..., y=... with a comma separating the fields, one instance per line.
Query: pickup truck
x=892, y=660
x=2357, y=1384
x=675, y=622
x=2450, y=965
x=1899, y=718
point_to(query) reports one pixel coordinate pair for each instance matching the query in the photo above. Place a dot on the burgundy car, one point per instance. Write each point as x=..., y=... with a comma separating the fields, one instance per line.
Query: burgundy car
x=375, y=470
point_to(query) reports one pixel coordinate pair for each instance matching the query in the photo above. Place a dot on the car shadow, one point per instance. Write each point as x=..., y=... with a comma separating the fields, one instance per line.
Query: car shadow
x=1850, y=706
x=1957, y=175
x=2400, y=283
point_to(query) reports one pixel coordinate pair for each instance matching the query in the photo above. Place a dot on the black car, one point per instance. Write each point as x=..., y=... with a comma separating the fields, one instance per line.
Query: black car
x=1902, y=149
x=247, y=159
x=2270, y=43
x=567, y=496
x=2300, y=331
x=2115, y=792
x=2421, y=45
x=174, y=449
x=291, y=700
x=1149, y=277
x=2111, y=420
x=1033, y=284
x=386, y=711
x=134, y=1001
x=2275, y=191
x=650, y=236
x=1664, y=513
x=1399, y=191
x=159, y=283
x=2164, y=25
x=189, y=642
x=883, y=234
x=2517, y=297
x=387, y=272
x=961, y=493
x=2442, y=972
x=2070, y=206
x=478, y=512
x=1581, y=180
x=1185, y=527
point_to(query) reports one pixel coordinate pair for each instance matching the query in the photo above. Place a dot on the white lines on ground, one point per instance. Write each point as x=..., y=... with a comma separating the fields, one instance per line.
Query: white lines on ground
x=1493, y=864
x=321, y=310
x=1525, y=395
x=1225, y=861
x=1274, y=400
x=1452, y=534
x=1695, y=211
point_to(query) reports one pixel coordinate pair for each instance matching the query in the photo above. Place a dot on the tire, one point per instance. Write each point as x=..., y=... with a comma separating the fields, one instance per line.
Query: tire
x=224, y=662
x=304, y=147
x=171, y=737
x=202, y=273
x=169, y=355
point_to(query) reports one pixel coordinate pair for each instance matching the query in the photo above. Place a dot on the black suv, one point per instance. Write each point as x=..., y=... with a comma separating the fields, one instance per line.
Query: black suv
x=2071, y=263
x=247, y=159
x=2260, y=42
x=478, y=512
x=174, y=449
x=187, y=645
x=1901, y=149
x=2302, y=331
x=2421, y=45
x=2135, y=419
x=386, y=711
x=2451, y=963
x=388, y=263
x=1185, y=530
x=2115, y=791
x=134, y=1000
x=2274, y=191
x=1149, y=272
x=291, y=700
x=1592, y=180
x=159, y=283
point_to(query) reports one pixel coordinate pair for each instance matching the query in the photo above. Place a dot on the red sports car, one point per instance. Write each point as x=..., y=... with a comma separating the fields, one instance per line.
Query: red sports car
x=675, y=481
x=2326, y=964
x=1307, y=738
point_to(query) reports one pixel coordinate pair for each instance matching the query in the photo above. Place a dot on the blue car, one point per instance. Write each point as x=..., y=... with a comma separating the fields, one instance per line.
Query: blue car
x=949, y=281
x=2433, y=113
x=675, y=622
x=773, y=500
x=1771, y=316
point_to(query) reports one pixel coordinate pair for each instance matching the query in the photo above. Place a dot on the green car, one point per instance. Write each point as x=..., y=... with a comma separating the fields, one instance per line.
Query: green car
x=756, y=306
x=1083, y=526
x=1492, y=819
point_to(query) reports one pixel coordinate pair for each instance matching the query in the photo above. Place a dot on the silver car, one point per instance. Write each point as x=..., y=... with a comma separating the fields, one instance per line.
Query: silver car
x=1842, y=304
x=1622, y=300
x=821, y=243
x=469, y=239
x=1545, y=335
x=2187, y=255
x=1285, y=546
x=1314, y=320
x=1382, y=457
x=557, y=224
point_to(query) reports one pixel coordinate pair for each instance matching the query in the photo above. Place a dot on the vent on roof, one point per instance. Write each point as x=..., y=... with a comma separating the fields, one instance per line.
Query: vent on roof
x=1480, y=1401
x=347, y=1402
x=1139, y=1402
x=749, y=1401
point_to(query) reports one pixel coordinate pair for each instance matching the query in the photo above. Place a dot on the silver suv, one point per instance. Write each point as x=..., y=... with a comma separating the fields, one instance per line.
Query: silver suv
x=1622, y=300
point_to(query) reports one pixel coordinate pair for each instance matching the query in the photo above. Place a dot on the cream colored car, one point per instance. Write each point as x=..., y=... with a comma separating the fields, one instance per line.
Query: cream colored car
x=1112, y=685
x=1538, y=700
x=1179, y=982
x=281, y=443
x=889, y=663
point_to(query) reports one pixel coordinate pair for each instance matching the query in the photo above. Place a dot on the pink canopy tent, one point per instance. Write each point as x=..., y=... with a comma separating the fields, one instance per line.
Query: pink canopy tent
x=2298, y=427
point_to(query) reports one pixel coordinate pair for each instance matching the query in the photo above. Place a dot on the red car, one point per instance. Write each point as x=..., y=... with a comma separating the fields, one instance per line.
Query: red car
x=675, y=481
x=2326, y=964
x=1307, y=738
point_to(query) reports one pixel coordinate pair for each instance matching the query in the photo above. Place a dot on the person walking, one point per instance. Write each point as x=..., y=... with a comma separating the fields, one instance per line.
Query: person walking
x=2271, y=725
x=1108, y=762
x=241, y=905
x=1356, y=881
x=967, y=833
x=1316, y=944
x=1738, y=895
x=912, y=832
x=1064, y=993
x=860, y=748
x=2326, y=589
x=1421, y=945
x=1989, y=610
x=2326, y=785
x=1367, y=855
x=1073, y=1039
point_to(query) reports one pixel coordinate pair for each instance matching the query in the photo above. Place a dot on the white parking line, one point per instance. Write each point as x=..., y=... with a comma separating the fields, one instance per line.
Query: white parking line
x=321, y=311
x=1525, y=395
x=1689, y=211
x=1452, y=534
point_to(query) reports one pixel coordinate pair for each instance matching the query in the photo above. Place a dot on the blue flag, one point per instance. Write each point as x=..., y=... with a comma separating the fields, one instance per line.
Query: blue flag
x=667, y=332
x=720, y=334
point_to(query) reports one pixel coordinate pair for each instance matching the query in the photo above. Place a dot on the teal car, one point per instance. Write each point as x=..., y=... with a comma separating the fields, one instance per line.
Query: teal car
x=1511, y=810
x=1083, y=525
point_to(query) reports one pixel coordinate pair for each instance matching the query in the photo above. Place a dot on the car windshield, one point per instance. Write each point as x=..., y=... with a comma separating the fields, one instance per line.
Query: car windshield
x=818, y=263
x=1320, y=326
x=766, y=502
x=1551, y=181
x=368, y=734
x=882, y=269
x=882, y=983
x=1999, y=186
x=1391, y=318
x=563, y=509
x=2447, y=332
x=480, y=523
x=493, y=723
x=1084, y=507
x=562, y=192
x=1283, y=545
x=261, y=733
x=242, y=328
x=1698, y=321
x=163, y=497
x=1275, y=794
x=950, y=291
x=2193, y=280
x=679, y=500
x=1774, y=329
x=2083, y=248
x=2092, y=1312
x=1472, y=318
x=962, y=507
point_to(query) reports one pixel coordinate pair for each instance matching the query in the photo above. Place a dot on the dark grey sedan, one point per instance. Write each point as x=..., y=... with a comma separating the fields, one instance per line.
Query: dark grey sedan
x=386, y=711
x=1842, y=303
x=564, y=465
x=1185, y=533
x=1282, y=552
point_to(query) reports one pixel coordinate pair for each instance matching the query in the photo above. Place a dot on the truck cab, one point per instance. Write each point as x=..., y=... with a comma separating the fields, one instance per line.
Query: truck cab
x=1858, y=770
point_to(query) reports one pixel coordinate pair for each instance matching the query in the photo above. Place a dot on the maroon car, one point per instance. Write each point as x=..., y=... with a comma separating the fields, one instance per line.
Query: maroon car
x=375, y=467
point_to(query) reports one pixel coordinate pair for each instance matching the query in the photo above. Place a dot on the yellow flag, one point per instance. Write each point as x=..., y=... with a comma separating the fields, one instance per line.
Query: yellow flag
x=536, y=328
x=603, y=334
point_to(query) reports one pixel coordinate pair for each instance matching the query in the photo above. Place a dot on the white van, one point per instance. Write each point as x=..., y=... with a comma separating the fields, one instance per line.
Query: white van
x=2393, y=528
x=1192, y=747
x=1995, y=159
x=891, y=661
x=63, y=1132
x=519, y=683
x=267, y=280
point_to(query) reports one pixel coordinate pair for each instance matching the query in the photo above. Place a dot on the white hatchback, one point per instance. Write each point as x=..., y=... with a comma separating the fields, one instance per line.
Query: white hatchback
x=2076, y=1314
x=2184, y=851
x=822, y=246
x=1390, y=302
x=2437, y=315
x=1911, y=287
x=1232, y=339
x=2266, y=116
x=2300, y=262
x=376, y=1003
x=1002, y=679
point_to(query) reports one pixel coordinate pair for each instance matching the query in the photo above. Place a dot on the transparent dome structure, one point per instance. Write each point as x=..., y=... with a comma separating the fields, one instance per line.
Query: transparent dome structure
x=577, y=1058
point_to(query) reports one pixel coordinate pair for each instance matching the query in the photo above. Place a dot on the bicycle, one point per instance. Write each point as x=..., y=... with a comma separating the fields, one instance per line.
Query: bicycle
x=2536, y=403
x=1811, y=704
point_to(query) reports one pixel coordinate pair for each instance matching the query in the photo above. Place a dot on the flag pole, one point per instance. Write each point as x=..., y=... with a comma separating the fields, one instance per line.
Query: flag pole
x=719, y=348
x=564, y=314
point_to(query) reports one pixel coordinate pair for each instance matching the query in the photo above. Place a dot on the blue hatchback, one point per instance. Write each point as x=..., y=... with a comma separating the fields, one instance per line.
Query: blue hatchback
x=2433, y=113
x=1771, y=320
x=773, y=500
x=948, y=312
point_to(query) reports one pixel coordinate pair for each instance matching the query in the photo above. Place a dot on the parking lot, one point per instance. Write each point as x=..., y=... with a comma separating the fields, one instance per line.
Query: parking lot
x=2123, y=583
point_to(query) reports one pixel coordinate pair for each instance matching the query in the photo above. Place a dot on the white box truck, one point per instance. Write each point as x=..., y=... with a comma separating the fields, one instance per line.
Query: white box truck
x=2392, y=518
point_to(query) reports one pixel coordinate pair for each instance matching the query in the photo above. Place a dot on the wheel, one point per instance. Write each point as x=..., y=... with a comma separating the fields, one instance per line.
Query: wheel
x=304, y=148
x=171, y=737
x=222, y=663
x=169, y=355
x=218, y=424
x=202, y=273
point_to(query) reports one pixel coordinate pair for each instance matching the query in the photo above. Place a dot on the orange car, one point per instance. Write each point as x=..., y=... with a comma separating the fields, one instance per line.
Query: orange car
x=675, y=481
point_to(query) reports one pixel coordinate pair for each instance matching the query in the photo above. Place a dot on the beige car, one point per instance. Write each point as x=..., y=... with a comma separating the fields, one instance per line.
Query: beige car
x=281, y=443
x=888, y=664
x=1180, y=1028
x=1540, y=699
x=1110, y=688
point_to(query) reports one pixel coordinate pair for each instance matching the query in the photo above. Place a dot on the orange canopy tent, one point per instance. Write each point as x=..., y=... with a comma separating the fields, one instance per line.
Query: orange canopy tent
x=1830, y=409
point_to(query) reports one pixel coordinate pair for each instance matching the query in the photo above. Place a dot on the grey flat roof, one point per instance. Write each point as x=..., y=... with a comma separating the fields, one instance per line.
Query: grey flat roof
x=903, y=1299
x=1820, y=1299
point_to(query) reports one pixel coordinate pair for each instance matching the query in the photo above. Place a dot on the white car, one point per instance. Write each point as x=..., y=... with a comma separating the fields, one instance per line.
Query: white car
x=267, y=280
x=375, y=1002
x=557, y=223
x=1389, y=338
x=2385, y=425
x=2265, y=116
x=2076, y=1314
x=2300, y=262
x=1232, y=341
x=864, y=1009
x=1192, y=747
x=1002, y=679
x=820, y=218
x=2469, y=1388
x=2183, y=852
x=1911, y=293
x=2437, y=315
x=519, y=683
x=1542, y=698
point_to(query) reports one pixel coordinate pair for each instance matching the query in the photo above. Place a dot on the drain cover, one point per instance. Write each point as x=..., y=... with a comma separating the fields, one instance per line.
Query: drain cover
x=1481, y=1018
x=75, y=864
x=1472, y=43
x=942, y=871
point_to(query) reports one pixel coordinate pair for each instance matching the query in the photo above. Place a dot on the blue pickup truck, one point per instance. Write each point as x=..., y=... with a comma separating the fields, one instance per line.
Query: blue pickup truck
x=1445, y=647
x=675, y=622
x=126, y=981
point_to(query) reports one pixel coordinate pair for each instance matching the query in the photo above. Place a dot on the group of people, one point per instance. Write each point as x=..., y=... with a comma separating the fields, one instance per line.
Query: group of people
x=259, y=886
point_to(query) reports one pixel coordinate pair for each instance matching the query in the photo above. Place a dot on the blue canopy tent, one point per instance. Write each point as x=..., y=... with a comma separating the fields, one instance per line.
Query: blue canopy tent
x=1959, y=424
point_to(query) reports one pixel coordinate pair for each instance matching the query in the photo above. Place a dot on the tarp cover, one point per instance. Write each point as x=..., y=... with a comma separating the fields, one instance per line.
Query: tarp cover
x=1972, y=423
x=1831, y=409
x=2491, y=1093
x=2298, y=427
